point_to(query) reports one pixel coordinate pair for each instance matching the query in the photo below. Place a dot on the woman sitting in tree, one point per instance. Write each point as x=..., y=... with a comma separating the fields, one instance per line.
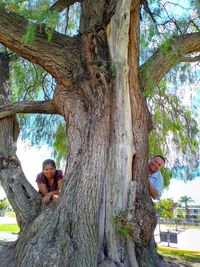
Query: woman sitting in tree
x=49, y=181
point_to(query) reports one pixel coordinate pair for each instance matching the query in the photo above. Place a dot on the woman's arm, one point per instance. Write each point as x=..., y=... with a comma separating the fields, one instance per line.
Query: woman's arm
x=57, y=192
x=44, y=191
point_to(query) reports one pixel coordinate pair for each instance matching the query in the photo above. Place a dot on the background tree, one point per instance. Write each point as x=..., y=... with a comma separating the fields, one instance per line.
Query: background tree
x=185, y=200
x=165, y=208
x=180, y=215
x=102, y=93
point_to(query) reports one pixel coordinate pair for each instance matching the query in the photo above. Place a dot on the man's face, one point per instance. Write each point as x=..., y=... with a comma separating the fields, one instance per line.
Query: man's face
x=156, y=164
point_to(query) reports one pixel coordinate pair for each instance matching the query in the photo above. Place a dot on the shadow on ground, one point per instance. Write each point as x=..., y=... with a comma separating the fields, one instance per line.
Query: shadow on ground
x=175, y=262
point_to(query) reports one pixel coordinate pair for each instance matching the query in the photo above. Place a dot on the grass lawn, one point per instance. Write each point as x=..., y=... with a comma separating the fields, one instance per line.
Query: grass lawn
x=9, y=228
x=186, y=256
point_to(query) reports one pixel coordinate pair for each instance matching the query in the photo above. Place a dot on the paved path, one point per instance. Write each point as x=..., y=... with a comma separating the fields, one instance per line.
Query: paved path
x=188, y=239
x=7, y=220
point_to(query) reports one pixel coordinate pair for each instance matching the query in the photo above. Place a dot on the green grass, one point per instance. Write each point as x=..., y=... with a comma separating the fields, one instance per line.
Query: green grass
x=9, y=228
x=187, y=256
x=10, y=214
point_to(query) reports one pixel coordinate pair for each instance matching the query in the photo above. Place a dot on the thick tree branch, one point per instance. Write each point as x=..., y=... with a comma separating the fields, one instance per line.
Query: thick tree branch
x=61, y=48
x=45, y=107
x=60, y=5
x=190, y=59
x=162, y=61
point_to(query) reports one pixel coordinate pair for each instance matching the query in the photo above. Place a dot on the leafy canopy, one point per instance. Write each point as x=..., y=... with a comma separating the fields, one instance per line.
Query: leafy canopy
x=174, y=126
x=165, y=208
x=172, y=102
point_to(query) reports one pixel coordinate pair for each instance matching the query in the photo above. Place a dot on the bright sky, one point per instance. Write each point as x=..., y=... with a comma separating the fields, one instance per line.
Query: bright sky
x=31, y=159
x=179, y=188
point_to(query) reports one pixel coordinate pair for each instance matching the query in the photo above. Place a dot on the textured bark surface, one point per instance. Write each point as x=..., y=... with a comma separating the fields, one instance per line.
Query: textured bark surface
x=44, y=107
x=20, y=193
x=161, y=62
x=105, y=185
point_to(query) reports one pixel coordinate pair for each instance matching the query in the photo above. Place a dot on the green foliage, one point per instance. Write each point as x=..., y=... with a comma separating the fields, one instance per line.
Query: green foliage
x=167, y=175
x=185, y=200
x=179, y=214
x=4, y=204
x=174, y=126
x=29, y=36
x=49, y=129
x=60, y=143
x=30, y=82
x=173, y=122
x=165, y=46
x=40, y=17
x=122, y=226
x=26, y=80
x=165, y=208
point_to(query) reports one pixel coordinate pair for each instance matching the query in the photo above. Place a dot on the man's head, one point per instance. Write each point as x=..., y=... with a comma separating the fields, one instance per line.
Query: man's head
x=156, y=163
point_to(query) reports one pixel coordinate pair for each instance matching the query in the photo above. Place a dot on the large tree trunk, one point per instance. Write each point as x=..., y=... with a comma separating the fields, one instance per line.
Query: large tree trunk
x=105, y=216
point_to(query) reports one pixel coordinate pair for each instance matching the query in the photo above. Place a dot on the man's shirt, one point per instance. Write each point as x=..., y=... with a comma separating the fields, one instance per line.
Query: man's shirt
x=157, y=182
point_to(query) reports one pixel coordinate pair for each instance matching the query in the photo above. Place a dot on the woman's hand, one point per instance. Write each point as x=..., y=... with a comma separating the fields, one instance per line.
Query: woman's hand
x=47, y=198
x=55, y=198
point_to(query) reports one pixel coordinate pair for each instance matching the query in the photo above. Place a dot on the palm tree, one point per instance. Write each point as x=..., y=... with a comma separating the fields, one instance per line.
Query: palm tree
x=185, y=200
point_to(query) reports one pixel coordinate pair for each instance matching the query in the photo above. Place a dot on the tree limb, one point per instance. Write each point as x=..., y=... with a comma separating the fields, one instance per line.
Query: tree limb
x=45, y=107
x=156, y=67
x=190, y=59
x=147, y=9
x=47, y=54
x=60, y=5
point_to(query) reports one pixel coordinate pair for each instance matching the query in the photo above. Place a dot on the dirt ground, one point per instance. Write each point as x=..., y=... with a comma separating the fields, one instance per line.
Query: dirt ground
x=175, y=262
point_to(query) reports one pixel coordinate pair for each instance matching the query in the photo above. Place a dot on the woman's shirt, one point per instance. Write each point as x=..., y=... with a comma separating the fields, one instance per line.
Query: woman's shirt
x=41, y=179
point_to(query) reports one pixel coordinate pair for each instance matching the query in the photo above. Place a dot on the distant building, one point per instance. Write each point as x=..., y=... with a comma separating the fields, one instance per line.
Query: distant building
x=193, y=210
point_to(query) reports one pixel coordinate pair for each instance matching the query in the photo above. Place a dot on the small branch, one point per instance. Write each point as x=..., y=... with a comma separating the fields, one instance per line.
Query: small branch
x=67, y=20
x=45, y=107
x=60, y=5
x=147, y=9
x=190, y=59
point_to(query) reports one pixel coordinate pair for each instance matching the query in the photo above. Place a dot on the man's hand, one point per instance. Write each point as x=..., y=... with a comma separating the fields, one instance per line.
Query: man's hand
x=154, y=194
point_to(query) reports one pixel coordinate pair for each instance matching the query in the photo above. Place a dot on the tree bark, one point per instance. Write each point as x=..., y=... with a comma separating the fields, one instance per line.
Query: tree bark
x=60, y=5
x=162, y=61
x=20, y=193
x=105, y=216
x=44, y=107
x=59, y=57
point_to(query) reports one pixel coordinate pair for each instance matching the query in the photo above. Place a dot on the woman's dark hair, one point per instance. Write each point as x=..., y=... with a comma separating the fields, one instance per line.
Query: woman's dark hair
x=48, y=161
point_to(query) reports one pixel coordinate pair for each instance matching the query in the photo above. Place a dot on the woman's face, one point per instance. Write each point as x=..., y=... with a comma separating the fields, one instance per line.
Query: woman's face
x=49, y=171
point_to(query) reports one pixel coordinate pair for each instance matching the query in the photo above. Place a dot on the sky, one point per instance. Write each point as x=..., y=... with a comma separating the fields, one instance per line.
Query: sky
x=31, y=159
